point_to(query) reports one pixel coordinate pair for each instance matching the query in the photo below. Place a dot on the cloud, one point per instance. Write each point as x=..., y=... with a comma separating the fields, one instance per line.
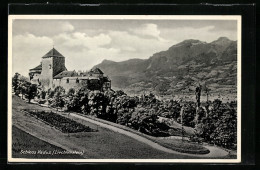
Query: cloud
x=27, y=51
x=87, y=58
x=41, y=27
x=66, y=26
x=147, y=29
x=142, y=46
x=202, y=33
x=82, y=51
x=82, y=39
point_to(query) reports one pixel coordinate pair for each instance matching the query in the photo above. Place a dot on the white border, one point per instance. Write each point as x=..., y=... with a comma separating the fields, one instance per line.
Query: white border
x=136, y=17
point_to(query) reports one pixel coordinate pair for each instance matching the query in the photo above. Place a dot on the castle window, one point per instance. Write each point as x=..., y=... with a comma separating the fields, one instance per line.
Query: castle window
x=77, y=80
x=49, y=66
x=68, y=80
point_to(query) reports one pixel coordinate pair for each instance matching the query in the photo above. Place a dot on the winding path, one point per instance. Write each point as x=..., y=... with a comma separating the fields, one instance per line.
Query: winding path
x=214, y=151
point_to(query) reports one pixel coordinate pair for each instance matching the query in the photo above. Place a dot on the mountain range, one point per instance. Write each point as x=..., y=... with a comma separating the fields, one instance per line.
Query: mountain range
x=179, y=69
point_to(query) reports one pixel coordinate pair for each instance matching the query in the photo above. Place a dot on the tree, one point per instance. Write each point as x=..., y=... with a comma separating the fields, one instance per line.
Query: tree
x=31, y=91
x=59, y=89
x=120, y=93
x=23, y=88
x=146, y=122
x=189, y=112
x=97, y=104
x=15, y=82
x=50, y=93
x=79, y=101
x=220, y=126
x=71, y=92
x=58, y=100
x=43, y=94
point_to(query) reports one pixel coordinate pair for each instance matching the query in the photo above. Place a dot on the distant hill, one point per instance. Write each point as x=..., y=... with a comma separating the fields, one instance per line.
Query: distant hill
x=179, y=69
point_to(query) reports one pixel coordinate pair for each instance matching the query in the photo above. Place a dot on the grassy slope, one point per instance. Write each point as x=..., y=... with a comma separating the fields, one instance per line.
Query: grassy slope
x=182, y=146
x=25, y=141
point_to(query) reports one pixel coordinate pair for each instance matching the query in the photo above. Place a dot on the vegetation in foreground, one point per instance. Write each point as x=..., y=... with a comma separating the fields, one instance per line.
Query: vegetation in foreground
x=214, y=122
x=103, y=138
x=103, y=144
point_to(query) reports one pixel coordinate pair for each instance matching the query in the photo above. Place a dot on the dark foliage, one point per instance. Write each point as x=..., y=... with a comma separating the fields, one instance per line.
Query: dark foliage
x=220, y=126
x=61, y=123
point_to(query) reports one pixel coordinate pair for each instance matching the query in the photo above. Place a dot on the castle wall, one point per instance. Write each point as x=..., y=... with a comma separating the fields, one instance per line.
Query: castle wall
x=47, y=72
x=91, y=84
x=71, y=84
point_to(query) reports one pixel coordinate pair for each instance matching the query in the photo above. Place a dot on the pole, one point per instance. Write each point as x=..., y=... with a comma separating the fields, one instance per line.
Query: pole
x=182, y=130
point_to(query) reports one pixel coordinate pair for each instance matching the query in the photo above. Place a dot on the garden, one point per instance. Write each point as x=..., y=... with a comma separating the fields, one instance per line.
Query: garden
x=65, y=125
x=213, y=122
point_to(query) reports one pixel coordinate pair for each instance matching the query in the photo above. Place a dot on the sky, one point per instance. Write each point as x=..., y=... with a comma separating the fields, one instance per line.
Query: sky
x=85, y=43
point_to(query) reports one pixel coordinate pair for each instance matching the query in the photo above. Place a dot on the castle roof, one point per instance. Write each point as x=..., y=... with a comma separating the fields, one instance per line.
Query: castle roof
x=39, y=67
x=53, y=53
x=96, y=71
x=65, y=74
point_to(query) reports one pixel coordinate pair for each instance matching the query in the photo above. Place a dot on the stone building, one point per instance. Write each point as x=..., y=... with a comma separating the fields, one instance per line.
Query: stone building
x=52, y=73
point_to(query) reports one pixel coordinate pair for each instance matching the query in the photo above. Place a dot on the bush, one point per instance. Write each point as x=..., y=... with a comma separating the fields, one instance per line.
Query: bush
x=71, y=92
x=79, y=102
x=146, y=122
x=31, y=91
x=189, y=112
x=220, y=126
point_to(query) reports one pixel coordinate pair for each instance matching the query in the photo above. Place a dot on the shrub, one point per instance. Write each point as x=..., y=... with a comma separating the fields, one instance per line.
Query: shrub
x=71, y=92
x=146, y=122
x=189, y=112
x=220, y=126
x=79, y=102
x=31, y=92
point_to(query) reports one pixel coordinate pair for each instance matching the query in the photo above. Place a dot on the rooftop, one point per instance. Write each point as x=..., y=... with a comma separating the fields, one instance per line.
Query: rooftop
x=66, y=74
x=96, y=71
x=53, y=53
x=39, y=67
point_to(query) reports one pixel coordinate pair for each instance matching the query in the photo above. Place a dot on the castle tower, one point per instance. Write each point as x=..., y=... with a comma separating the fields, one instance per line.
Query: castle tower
x=52, y=64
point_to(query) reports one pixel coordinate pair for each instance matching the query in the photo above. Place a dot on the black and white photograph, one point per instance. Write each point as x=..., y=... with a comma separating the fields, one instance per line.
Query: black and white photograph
x=124, y=88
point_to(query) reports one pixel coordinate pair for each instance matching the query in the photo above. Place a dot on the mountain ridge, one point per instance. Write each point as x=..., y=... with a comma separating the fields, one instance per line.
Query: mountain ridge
x=178, y=69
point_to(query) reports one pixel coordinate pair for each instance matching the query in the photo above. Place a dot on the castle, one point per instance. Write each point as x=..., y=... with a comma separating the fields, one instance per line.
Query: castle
x=52, y=72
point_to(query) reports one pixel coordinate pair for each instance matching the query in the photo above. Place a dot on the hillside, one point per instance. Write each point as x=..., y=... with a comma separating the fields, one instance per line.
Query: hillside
x=179, y=69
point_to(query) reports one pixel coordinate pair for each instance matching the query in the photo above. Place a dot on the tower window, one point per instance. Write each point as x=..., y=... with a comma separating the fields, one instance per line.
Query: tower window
x=77, y=80
x=68, y=80
x=49, y=66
